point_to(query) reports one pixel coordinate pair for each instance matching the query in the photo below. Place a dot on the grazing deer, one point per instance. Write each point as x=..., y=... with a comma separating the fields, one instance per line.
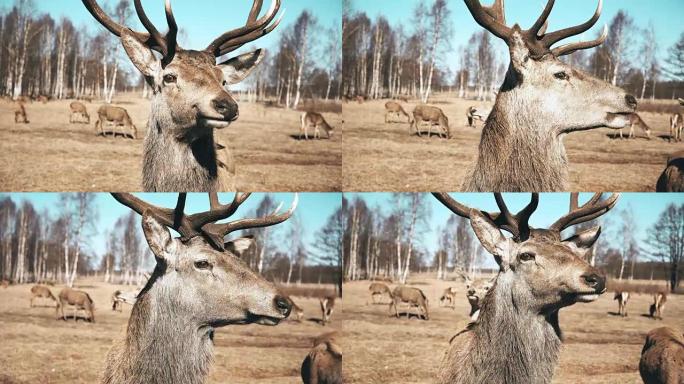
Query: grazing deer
x=190, y=98
x=635, y=120
x=77, y=299
x=117, y=117
x=379, y=289
x=412, y=296
x=658, y=306
x=541, y=100
x=78, y=113
x=20, y=114
x=297, y=310
x=477, y=113
x=672, y=178
x=327, y=307
x=539, y=273
x=622, y=298
x=315, y=120
x=199, y=283
x=448, y=298
x=432, y=116
x=395, y=109
x=323, y=364
x=662, y=358
x=41, y=292
x=121, y=297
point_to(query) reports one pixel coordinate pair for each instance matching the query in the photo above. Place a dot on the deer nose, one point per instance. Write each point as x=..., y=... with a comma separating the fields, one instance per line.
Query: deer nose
x=471, y=292
x=631, y=101
x=283, y=305
x=595, y=281
x=227, y=108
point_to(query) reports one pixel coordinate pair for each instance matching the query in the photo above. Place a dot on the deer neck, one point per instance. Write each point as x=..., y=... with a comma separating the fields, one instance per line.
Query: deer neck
x=512, y=343
x=174, y=162
x=164, y=345
x=517, y=151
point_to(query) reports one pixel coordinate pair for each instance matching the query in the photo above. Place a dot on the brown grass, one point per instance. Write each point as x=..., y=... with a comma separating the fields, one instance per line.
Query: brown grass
x=660, y=106
x=36, y=348
x=637, y=286
x=383, y=157
x=600, y=347
x=49, y=154
x=308, y=290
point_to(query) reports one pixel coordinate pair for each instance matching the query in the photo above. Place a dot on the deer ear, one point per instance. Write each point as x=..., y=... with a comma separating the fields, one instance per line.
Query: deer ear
x=520, y=54
x=141, y=56
x=157, y=236
x=584, y=240
x=491, y=237
x=238, y=246
x=238, y=68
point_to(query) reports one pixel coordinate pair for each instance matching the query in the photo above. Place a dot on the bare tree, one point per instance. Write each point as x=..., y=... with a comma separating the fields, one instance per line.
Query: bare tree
x=440, y=29
x=675, y=59
x=666, y=242
x=649, y=60
x=619, y=43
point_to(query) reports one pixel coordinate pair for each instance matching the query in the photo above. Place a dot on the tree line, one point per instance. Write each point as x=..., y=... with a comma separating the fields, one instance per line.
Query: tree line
x=393, y=243
x=387, y=61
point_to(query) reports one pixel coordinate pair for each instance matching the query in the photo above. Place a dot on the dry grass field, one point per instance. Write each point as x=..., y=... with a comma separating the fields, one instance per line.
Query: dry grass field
x=36, y=348
x=50, y=154
x=383, y=157
x=599, y=348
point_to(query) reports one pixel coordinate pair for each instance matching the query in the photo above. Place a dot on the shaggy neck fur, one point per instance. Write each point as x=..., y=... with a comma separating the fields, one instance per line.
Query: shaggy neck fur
x=508, y=343
x=162, y=345
x=178, y=164
x=517, y=151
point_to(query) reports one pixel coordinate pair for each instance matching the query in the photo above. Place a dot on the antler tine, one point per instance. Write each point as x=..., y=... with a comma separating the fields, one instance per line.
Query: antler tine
x=217, y=47
x=240, y=41
x=171, y=35
x=594, y=208
x=111, y=25
x=572, y=47
x=552, y=38
x=453, y=205
x=490, y=18
x=505, y=220
x=216, y=232
x=524, y=215
x=154, y=33
x=542, y=21
x=172, y=218
x=217, y=210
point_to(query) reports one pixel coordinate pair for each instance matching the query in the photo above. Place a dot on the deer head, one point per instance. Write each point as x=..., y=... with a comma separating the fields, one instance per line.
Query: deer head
x=188, y=85
x=200, y=273
x=543, y=88
x=544, y=271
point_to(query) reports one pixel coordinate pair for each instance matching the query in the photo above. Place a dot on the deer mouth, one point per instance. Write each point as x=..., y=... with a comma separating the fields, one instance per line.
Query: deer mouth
x=586, y=296
x=210, y=122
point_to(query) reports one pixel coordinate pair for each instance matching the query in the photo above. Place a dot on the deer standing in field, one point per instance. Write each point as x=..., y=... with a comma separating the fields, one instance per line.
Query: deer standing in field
x=412, y=296
x=315, y=120
x=79, y=300
x=378, y=289
x=327, y=307
x=677, y=124
x=658, y=306
x=477, y=113
x=395, y=109
x=539, y=273
x=78, y=113
x=672, y=178
x=199, y=284
x=622, y=298
x=41, y=292
x=432, y=116
x=190, y=97
x=116, y=117
x=297, y=311
x=20, y=114
x=635, y=120
x=662, y=358
x=448, y=298
x=323, y=364
x=541, y=100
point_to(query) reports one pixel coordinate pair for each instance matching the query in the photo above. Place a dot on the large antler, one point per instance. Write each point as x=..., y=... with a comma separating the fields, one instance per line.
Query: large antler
x=538, y=41
x=517, y=225
x=252, y=30
x=592, y=209
x=204, y=223
x=166, y=45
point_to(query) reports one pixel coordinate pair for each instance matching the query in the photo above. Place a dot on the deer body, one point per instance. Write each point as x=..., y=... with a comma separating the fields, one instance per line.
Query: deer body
x=20, y=114
x=658, y=306
x=79, y=300
x=379, y=289
x=622, y=298
x=78, y=112
x=662, y=358
x=677, y=124
x=448, y=298
x=412, y=296
x=475, y=113
x=672, y=178
x=395, y=109
x=327, y=307
x=117, y=117
x=38, y=292
x=316, y=121
x=636, y=120
x=323, y=364
x=432, y=116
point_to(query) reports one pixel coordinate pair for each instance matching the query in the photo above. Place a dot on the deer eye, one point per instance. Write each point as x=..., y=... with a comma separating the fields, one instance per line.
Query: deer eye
x=561, y=75
x=202, y=264
x=170, y=78
x=526, y=256
x=225, y=83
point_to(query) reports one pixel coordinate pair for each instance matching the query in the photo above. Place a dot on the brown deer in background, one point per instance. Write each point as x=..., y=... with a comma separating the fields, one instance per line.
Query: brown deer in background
x=116, y=117
x=658, y=306
x=448, y=298
x=199, y=283
x=432, y=116
x=79, y=300
x=317, y=121
x=477, y=113
x=323, y=364
x=635, y=120
x=541, y=100
x=327, y=307
x=41, y=292
x=79, y=112
x=378, y=289
x=662, y=358
x=190, y=98
x=539, y=273
x=412, y=296
x=677, y=124
x=395, y=109
x=672, y=178
x=20, y=116
x=622, y=298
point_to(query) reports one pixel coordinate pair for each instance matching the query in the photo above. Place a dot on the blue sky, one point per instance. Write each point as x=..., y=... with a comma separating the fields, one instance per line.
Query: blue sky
x=646, y=208
x=313, y=209
x=664, y=14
